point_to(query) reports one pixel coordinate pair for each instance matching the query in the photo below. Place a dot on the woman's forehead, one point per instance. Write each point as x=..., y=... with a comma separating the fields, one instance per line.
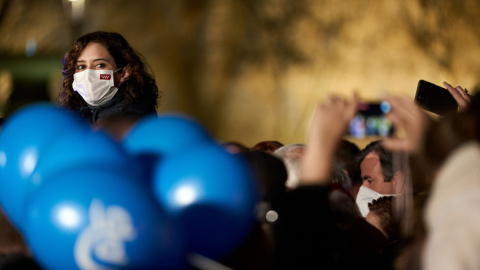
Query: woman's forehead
x=94, y=51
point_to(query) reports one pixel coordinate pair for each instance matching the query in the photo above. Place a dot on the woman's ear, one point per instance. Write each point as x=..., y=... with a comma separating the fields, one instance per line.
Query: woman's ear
x=125, y=73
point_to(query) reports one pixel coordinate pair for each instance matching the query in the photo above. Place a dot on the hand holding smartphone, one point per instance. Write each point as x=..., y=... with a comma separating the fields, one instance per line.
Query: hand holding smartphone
x=370, y=120
x=436, y=99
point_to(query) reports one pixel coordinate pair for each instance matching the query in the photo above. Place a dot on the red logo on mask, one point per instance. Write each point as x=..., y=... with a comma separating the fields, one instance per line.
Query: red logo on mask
x=104, y=76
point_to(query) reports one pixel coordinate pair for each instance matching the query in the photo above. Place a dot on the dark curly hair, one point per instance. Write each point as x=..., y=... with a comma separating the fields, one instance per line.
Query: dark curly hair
x=384, y=209
x=140, y=87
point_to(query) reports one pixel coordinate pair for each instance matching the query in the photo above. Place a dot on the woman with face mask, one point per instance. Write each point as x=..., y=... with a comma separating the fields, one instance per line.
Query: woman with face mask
x=105, y=77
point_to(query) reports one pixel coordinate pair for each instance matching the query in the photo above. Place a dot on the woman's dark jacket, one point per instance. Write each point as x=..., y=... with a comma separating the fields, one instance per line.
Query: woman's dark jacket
x=117, y=106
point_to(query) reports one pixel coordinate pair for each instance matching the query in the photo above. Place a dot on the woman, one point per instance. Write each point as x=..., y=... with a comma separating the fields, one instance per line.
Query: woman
x=105, y=77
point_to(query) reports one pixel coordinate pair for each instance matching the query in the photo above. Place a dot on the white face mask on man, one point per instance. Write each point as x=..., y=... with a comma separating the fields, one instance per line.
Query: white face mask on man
x=95, y=86
x=366, y=196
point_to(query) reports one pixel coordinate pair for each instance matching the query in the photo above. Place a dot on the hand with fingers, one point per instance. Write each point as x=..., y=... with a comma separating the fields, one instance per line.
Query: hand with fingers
x=411, y=123
x=327, y=126
x=460, y=95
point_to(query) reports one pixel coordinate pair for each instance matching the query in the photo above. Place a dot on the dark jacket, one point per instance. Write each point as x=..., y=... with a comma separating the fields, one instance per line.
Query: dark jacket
x=117, y=106
x=310, y=239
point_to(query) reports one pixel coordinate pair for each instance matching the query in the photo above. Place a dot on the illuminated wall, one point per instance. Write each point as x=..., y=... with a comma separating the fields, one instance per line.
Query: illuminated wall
x=253, y=70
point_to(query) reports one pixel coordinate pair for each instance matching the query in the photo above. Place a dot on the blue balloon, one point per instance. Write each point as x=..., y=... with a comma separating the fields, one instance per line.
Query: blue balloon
x=212, y=193
x=24, y=136
x=165, y=134
x=100, y=219
x=153, y=137
x=84, y=150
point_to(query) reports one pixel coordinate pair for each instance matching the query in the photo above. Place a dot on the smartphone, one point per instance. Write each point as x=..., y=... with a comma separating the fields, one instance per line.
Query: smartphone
x=436, y=99
x=370, y=121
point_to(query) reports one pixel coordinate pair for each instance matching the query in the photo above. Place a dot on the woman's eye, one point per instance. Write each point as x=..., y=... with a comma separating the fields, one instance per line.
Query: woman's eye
x=80, y=67
x=101, y=65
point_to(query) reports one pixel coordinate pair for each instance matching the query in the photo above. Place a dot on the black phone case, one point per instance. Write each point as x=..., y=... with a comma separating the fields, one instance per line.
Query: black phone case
x=436, y=99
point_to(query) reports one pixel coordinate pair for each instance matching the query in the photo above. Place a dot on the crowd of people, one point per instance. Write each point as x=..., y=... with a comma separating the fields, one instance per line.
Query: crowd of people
x=406, y=201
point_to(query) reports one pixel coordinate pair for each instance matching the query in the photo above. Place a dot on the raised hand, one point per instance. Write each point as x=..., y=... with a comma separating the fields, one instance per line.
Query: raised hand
x=460, y=95
x=411, y=123
x=328, y=124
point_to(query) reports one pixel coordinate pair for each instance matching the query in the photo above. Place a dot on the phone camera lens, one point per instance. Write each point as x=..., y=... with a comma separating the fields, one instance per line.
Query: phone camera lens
x=385, y=107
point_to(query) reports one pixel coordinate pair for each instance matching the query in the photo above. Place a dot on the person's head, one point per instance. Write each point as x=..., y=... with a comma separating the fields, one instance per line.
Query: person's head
x=382, y=216
x=378, y=170
x=340, y=176
x=346, y=156
x=267, y=146
x=107, y=51
x=235, y=147
x=271, y=174
x=291, y=155
x=257, y=250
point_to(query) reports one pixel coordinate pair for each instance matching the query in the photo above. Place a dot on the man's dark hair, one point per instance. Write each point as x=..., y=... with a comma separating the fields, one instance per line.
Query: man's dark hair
x=385, y=157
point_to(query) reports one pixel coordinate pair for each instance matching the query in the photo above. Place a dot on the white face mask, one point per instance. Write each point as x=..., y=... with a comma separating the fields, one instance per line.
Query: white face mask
x=95, y=86
x=366, y=196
